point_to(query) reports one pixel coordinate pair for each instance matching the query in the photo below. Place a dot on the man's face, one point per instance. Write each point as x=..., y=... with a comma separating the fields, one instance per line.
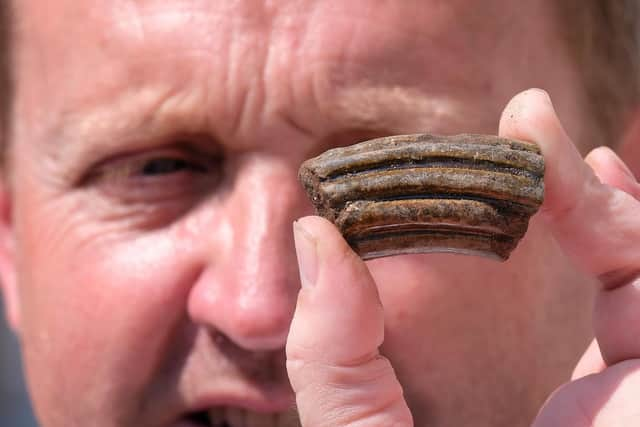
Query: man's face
x=153, y=187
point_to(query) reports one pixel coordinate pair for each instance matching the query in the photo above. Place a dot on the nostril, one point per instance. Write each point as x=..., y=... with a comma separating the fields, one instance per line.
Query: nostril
x=261, y=333
x=255, y=317
x=203, y=419
x=253, y=326
x=200, y=419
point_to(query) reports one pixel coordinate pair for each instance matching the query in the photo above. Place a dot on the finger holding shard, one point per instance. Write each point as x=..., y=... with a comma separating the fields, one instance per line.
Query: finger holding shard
x=470, y=194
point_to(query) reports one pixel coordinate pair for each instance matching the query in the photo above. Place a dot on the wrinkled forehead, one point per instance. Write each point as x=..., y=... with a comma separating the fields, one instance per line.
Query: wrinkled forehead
x=417, y=32
x=323, y=21
x=73, y=53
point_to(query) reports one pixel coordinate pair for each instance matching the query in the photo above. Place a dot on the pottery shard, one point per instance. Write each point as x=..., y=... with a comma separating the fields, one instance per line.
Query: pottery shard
x=470, y=194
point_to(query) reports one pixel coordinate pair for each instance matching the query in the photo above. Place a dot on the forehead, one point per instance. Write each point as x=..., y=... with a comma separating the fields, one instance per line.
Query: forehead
x=67, y=32
x=322, y=21
x=74, y=56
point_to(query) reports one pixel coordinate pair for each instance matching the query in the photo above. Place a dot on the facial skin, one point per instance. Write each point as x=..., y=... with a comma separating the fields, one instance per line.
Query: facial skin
x=152, y=186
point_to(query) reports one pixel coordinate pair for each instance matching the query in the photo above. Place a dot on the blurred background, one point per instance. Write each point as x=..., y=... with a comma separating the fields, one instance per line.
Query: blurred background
x=15, y=410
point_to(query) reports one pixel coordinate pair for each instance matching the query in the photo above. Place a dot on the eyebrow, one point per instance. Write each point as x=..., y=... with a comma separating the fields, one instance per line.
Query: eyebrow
x=395, y=108
x=139, y=117
x=144, y=116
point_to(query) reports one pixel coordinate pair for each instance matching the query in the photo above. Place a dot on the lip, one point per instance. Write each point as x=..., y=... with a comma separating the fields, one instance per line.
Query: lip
x=266, y=401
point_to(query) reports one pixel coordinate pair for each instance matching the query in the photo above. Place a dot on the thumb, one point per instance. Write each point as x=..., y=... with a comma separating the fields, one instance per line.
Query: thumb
x=333, y=362
x=591, y=362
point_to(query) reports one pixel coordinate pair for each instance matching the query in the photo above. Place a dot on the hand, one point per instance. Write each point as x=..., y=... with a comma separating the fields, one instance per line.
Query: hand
x=591, y=205
x=593, y=210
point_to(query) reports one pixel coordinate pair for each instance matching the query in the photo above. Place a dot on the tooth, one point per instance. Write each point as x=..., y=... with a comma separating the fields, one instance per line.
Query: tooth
x=236, y=417
x=470, y=194
x=255, y=419
x=216, y=416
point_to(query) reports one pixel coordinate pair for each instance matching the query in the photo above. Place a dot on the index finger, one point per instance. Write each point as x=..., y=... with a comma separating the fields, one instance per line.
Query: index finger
x=596, y=224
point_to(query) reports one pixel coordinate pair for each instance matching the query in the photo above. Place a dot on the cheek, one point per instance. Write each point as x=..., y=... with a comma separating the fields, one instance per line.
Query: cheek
x=444, y=329
x=459, y=302
x=451, y=320
x=103, y=307
x=434, y=306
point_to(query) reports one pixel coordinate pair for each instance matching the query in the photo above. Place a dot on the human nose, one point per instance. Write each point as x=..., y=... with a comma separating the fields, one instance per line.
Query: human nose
x=247, y=291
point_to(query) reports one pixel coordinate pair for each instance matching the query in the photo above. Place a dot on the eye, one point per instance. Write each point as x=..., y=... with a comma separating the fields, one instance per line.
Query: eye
x=169, y=165
x=153, y=184
x=150, y=167
x=174, y=174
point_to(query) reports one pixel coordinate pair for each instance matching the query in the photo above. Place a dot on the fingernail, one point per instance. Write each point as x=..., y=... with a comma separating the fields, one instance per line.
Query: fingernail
x=541, y=92
x=622, y=165
x=307, y=252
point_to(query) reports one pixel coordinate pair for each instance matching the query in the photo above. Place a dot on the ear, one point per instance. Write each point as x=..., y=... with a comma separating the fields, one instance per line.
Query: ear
x=629, y=148
x=8, y=283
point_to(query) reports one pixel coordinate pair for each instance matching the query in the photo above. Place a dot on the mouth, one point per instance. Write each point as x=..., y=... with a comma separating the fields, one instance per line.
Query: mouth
x=239, y=417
